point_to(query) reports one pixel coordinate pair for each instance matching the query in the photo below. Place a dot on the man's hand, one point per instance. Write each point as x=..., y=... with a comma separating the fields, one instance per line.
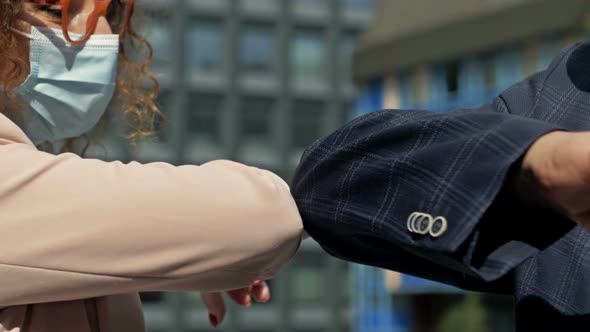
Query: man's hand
x=258, y=291
x=556, y=171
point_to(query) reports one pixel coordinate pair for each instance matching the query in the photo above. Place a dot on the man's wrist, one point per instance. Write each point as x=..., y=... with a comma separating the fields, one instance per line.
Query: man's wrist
x=530, y=182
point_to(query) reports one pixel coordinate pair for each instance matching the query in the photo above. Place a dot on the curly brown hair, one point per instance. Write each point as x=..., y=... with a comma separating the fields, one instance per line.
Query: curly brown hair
x=136, y=90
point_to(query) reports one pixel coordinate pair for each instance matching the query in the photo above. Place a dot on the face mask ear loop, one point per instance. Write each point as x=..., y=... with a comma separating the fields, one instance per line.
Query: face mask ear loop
x=129, y=11
x=100, y=9
x=23, y=34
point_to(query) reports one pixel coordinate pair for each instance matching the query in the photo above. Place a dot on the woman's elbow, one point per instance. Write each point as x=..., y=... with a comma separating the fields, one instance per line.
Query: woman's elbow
x=280, y=229
x=268, y=221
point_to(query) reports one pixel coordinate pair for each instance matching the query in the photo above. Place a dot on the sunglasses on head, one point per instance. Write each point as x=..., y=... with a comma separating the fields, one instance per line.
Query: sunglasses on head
x=101, y=8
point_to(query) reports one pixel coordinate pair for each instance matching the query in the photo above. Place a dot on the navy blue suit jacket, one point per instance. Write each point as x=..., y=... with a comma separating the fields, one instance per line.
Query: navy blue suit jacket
x=358, y=187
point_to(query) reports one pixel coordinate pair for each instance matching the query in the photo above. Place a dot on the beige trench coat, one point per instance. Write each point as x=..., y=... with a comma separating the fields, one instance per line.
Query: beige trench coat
x=76, y=232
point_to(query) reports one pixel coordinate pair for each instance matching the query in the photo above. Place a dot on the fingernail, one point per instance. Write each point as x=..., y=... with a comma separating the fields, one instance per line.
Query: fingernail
x=213, y=320
x=248, y=302
x=257, y=283
x=266, y=294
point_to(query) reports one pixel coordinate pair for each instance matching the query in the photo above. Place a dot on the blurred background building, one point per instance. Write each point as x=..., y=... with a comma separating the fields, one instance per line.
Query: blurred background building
x=255, y=81
x=439, y=56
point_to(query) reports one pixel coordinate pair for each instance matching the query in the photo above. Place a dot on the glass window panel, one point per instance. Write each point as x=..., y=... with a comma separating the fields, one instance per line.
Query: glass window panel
x=260, y=8
x=256, y=48
x=205, y=45
x=256, y=118
x=308, y=55
x=355, y=5
x=308, y=4
x=158, y=34
x=347, y=113
x=489, y=72
x=308, y=278
x=472, y=77
x=307, y=123
x=207, y=2
x=259, y=4
x=508, y=67
x=348, y=46
x=308, y=284
x=407, y=95
x=203, y=113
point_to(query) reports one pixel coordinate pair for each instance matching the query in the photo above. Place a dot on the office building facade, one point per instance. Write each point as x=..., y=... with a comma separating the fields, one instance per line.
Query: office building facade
x=254, y=81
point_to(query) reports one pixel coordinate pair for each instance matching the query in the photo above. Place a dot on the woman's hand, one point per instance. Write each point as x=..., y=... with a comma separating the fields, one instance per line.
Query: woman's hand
x=258, y=292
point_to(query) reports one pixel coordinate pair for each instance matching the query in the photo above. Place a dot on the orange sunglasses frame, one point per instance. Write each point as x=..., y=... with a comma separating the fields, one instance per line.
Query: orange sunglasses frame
x=100, y=9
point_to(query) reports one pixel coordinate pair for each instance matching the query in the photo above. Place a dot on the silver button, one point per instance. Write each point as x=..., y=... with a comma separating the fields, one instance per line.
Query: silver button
x=419, y=223
x=411, y=221
x=423, y=223
x=438, y=227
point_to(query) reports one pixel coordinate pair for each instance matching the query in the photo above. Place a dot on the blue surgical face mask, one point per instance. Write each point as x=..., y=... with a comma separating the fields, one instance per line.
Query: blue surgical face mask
x=69, y=87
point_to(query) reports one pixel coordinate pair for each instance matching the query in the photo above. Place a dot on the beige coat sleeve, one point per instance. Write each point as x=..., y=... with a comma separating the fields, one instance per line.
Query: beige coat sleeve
x=75, y=228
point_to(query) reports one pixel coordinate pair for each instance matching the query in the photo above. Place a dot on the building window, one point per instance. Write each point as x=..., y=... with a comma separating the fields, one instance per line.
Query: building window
x=159, y=37
x=489, y=73
x=347, y=113
x=407, y=95
x=260, y=6
x=347, y=48
x=509, y=67
x=307, y=123
x=203, y=116
x=256, y=118
x=452, y=77
x=476, y=77
x=307, y=280
x=256, y=48
x=308, y=55
x=205, y=45
x=359, y=5
x=307, y=283
x=306, y=5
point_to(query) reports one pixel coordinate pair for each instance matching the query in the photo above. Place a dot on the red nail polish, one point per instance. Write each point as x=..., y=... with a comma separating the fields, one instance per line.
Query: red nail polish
x=213, y=320
x=257, y=283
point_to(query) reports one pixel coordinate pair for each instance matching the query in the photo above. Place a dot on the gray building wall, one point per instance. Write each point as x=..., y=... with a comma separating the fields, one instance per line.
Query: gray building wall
x=410, y=33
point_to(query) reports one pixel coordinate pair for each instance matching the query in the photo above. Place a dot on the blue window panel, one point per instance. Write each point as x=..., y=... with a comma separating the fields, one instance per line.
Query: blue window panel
x=307, y=5
x=308, y=55
x=473, y=87
x=508, y=65
x=471, y=77
x=437, y=85
x=413, y=285
x=374, y=308
x=406, y=91
x=259, y=3
x=376, y=94
x=371, y=98
x=205, y=45
x=159, y=37
x=356, y=5
x=256, y=48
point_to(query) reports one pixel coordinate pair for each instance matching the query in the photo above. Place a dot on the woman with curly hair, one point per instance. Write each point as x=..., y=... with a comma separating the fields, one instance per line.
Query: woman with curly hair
x=80, y=237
